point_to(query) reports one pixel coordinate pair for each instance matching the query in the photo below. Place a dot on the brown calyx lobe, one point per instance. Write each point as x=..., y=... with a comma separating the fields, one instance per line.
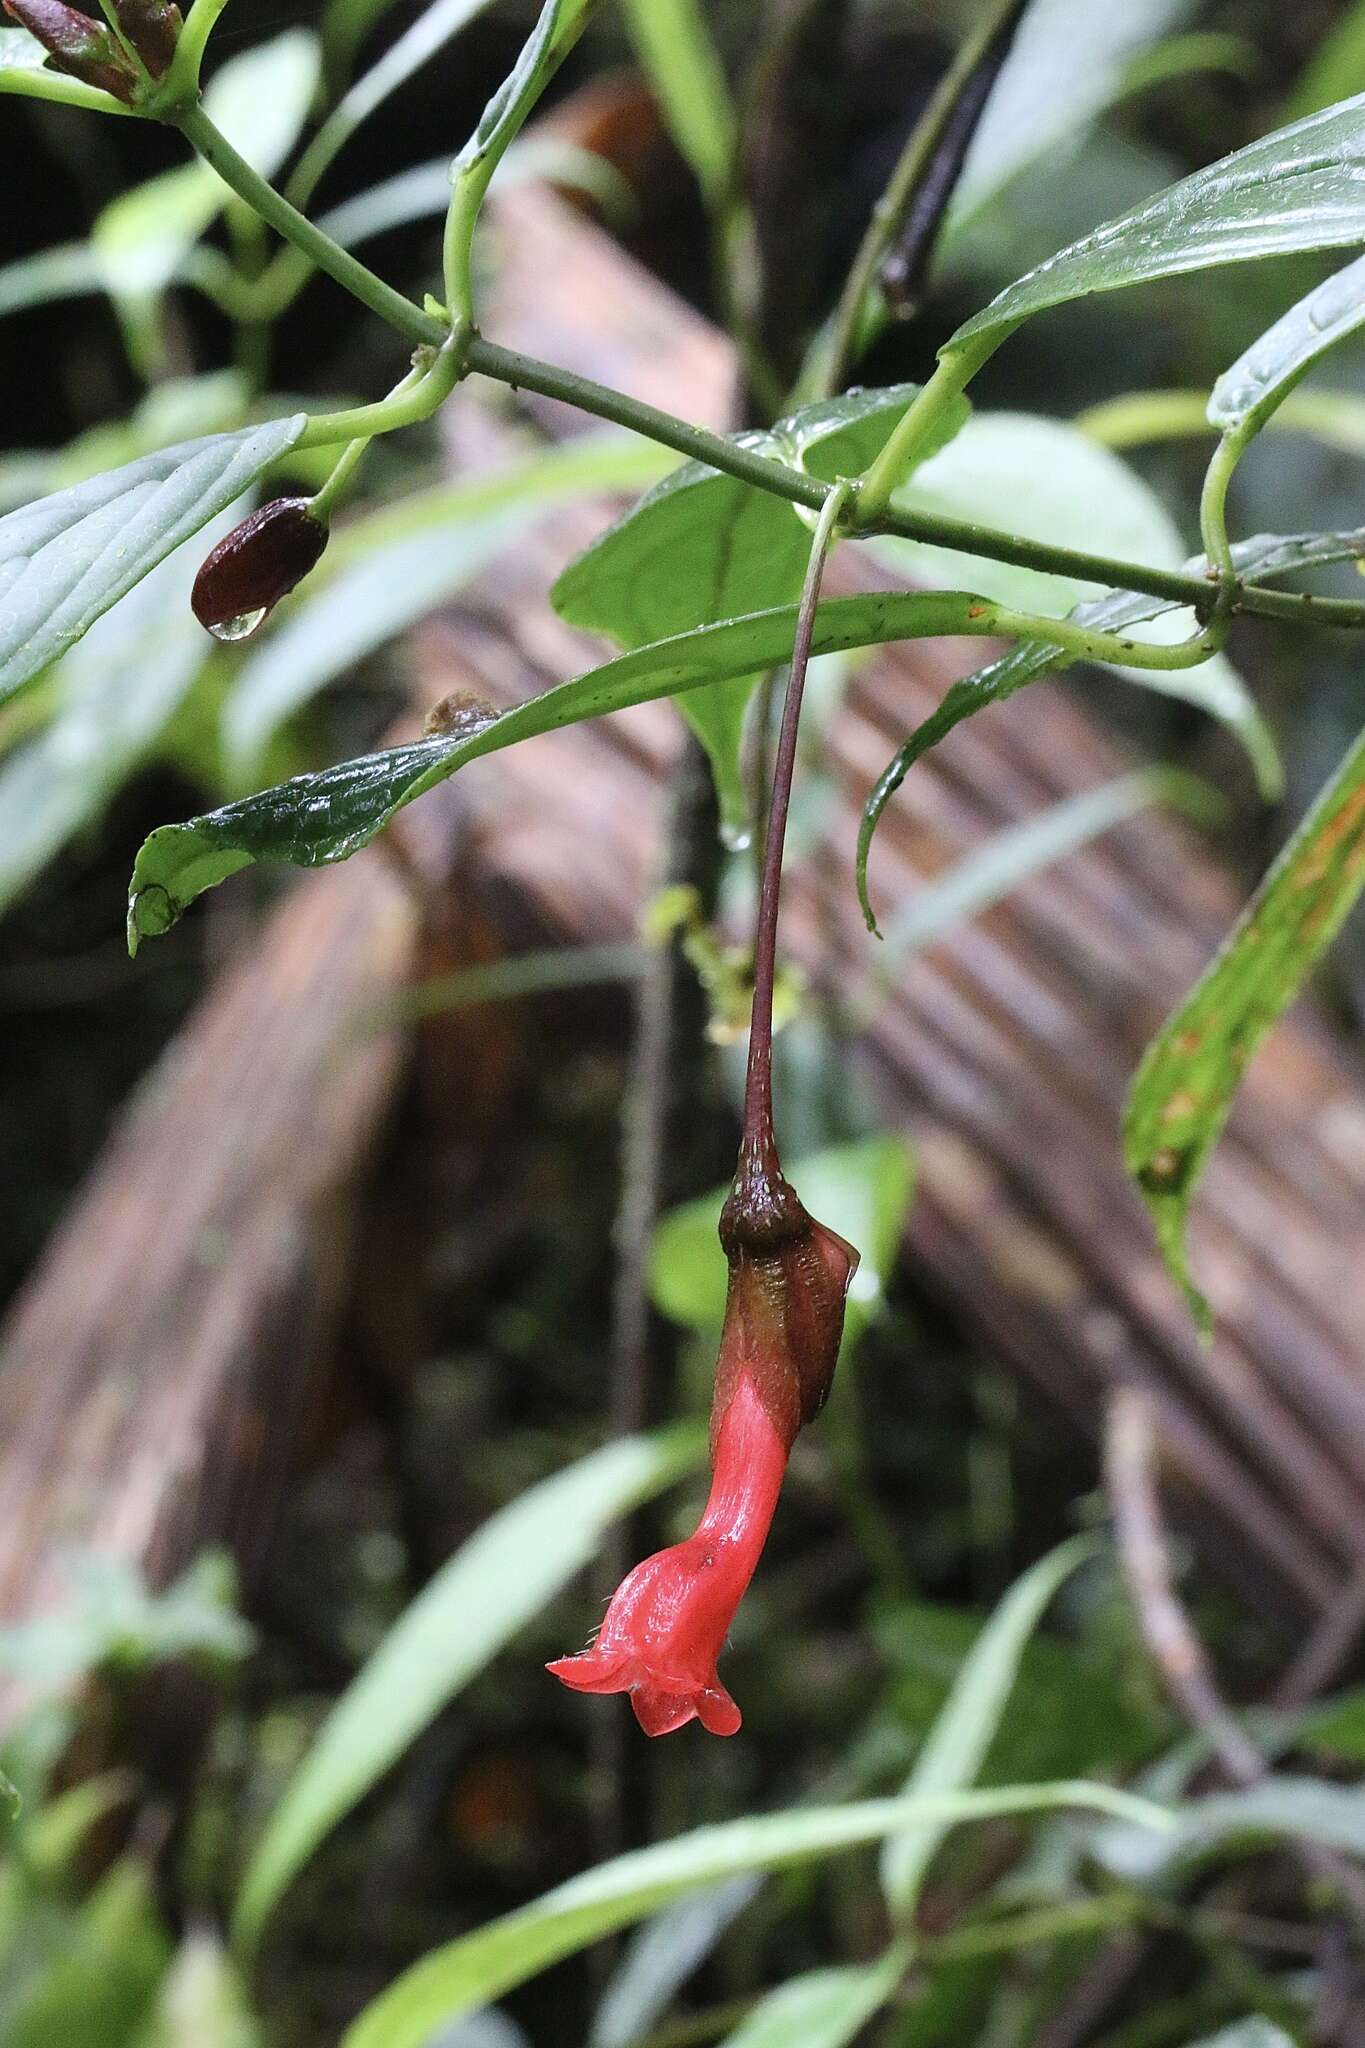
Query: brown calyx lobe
x=75, y=44
x=259, y=562
x=784, y=1310
x=153, y=28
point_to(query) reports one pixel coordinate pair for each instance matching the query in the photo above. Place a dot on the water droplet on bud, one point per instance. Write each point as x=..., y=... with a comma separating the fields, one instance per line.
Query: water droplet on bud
x=735, y=836
x=242, y=625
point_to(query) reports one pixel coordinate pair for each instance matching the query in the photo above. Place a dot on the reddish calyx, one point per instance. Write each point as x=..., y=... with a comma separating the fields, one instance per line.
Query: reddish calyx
x=668, y=1620
x=83, y=48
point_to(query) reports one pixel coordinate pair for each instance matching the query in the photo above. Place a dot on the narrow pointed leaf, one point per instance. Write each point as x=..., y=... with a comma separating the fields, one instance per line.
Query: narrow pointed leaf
x=481, y=1966
x=475, y=1604
x=1184, y=1088
x=1246, y=394
x=956, y=1745
x=821, y=2008
x=314, y=820
x=1263, y=556
x=1301, y=188
x=66, y=559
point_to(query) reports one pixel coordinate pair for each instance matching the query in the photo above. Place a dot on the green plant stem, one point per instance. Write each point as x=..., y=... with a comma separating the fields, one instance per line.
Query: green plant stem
x=416, y=398
x=1213, y=506
x=195, y=125
x=965, y=536
x=67, y=92
x=182, y=80
x=914, y=431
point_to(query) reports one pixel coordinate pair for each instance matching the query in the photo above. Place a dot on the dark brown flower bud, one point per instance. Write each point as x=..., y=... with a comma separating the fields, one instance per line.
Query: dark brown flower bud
x=153, y=28
x=259, y=562
x=83, y=48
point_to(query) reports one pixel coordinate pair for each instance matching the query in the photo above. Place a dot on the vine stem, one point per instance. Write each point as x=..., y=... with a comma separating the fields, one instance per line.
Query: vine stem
x=870, y=509
x=758, y=1148
x=273, y=208
x=964, y=536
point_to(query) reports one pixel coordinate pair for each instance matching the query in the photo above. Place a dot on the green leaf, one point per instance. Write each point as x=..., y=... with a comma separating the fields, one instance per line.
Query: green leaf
x=661, y=1956
x=65, y=560
x=1253, y=2032
x=391, y=567
x=469, y=1972
x=314, y=820
x=420, y=42
x=702, y=546
x=1301, y=188
x=862, y=1190
x=1184, y=1088
x=114, y=694
x=674, y=45
x=1263, y=556
x=473, y=1606
x=1248, y=393
x=822, y=2008
x=1069, y=61
x=503, y=117
x=957, y=1743
x=1225, y=1825
x=99, y=1986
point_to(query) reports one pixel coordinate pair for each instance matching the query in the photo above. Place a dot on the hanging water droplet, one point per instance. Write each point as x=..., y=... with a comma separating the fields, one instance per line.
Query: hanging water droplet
x=735, y=835
x=242, y=625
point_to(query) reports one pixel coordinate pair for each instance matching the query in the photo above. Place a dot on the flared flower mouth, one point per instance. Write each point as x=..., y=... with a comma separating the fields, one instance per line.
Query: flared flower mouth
x=668, y=1620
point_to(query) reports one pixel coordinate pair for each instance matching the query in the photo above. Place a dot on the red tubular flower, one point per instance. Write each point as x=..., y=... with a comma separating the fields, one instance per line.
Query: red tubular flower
x=667, y=1623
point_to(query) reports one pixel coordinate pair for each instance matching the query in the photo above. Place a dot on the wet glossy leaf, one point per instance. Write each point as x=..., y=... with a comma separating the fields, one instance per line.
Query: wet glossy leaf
x=475, y=1603
x=1246, y=394
x=115, y=693
x=314, y=820
x=1184, y=1088
x=1301, y=188
x=66, y=559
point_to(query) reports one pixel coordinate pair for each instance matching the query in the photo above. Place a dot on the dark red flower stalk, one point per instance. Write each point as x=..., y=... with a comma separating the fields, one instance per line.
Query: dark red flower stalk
x=153, y=28
x=784, y=1316
x=243, y=578
x=83, y=48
